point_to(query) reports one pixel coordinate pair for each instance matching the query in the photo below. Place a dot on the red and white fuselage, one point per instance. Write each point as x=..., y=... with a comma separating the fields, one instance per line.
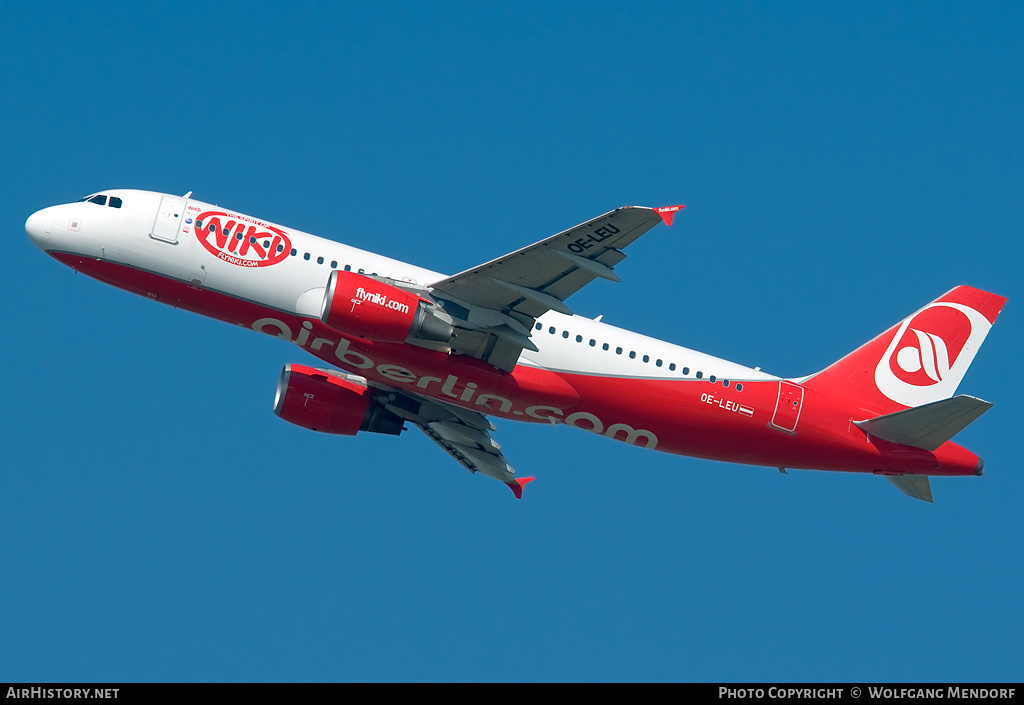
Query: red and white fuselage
x=584, y=373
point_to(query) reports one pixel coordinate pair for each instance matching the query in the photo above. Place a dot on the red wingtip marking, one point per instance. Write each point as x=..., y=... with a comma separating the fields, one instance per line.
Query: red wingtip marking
x=668, y=212
x=518, y=485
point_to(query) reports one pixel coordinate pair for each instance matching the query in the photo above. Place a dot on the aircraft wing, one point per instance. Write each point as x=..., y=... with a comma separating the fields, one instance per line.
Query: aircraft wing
x=463, y=434
x=475, y=450
x=496, y=304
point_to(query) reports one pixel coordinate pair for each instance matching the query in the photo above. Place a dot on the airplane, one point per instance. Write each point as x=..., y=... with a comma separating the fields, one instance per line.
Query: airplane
x=406, y=345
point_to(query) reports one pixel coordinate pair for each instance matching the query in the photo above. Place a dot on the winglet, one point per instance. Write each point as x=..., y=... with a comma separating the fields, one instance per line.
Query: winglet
x=667, y=213
x=518, y=485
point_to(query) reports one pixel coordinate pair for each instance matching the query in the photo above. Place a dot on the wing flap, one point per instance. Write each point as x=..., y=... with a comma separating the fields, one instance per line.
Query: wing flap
x=463, y=434
x=477, y=452
x=927, y=426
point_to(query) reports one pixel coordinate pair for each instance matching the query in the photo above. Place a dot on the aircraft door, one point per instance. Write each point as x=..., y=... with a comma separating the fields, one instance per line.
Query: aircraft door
x=168, y=219
x=787, y=408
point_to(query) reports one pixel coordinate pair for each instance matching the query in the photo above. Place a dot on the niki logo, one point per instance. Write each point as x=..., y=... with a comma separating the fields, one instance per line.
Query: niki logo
x=242, y=241
x=930, y=353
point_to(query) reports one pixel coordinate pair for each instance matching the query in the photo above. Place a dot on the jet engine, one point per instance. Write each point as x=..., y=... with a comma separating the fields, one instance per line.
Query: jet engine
x=320, y=400
x=373, y=310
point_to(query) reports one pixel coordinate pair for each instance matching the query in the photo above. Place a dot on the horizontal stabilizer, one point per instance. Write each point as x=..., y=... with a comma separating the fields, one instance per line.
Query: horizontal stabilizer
x=927, y=426
x=916, y=486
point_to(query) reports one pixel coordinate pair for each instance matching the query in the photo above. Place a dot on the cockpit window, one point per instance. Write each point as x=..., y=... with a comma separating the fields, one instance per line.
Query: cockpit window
x=101, y=200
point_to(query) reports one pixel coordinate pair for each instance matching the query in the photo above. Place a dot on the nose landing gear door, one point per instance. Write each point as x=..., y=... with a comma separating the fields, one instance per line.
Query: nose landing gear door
x=168, y=219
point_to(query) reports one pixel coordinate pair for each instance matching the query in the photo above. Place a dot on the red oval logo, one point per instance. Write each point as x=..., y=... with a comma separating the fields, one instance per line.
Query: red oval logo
x=241, y=242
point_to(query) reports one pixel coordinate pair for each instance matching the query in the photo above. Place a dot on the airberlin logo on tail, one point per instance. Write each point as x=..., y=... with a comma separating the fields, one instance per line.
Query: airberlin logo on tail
x=930, y=353
x=242, y=241
x=929, y=356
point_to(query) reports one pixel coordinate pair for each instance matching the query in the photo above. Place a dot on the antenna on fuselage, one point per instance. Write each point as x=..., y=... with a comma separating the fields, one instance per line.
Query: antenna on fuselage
x=188, y=195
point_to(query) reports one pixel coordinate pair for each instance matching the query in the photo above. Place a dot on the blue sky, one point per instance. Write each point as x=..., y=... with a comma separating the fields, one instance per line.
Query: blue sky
x=842, y=164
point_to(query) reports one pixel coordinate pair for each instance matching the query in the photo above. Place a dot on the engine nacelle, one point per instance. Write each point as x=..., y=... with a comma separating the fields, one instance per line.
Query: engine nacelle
x=320, y=401
x=377, y=311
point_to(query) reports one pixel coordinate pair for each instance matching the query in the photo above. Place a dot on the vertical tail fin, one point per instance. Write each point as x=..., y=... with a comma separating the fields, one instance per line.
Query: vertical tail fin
x=918, y=361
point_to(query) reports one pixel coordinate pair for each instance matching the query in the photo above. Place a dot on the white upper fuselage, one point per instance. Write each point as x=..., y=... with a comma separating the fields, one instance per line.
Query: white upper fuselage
x=296, y=285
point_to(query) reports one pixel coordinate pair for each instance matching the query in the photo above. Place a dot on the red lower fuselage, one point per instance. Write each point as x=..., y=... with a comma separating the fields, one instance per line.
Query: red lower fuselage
x=770, y=422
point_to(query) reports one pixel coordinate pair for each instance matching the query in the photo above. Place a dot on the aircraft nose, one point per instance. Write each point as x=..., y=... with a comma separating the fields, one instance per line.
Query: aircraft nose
x=38, y=227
